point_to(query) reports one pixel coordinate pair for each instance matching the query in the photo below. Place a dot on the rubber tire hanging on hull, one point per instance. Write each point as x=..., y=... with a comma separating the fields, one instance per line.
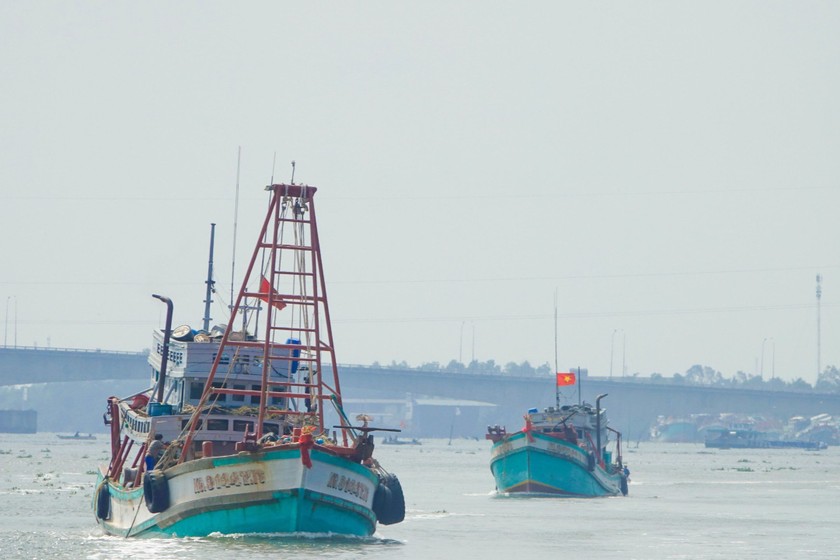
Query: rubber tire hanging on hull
x=389, y=501
x=156, y=491
x=103, y=501
x=590, y=462
x=623, y=485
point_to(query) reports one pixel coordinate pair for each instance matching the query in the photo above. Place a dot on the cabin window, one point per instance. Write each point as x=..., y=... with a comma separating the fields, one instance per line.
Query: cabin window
x=176, y=358
x=238, y=398
x=179, y=390
x=186, y=421
x=225, y=359
x=219, y=397
x=255, y=399
x=271, y=428
x=278, y=400
x=196, y=388
x=218, y=424
x=242, y=426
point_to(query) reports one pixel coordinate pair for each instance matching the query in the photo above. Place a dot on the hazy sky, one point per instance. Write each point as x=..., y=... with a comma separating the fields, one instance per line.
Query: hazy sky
x=669, y=169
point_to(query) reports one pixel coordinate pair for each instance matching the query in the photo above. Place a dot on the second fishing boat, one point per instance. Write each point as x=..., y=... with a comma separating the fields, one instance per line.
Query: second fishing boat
x=564, y=450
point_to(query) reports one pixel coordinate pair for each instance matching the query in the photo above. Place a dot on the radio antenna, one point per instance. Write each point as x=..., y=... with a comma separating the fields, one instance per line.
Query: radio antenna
x=273, y=162
x=819, y=296
x=556, y=361
x=293, y=173
x=235, y=220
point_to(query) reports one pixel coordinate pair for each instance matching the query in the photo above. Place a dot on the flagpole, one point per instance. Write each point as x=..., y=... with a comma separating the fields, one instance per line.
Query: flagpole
x=578, y=380
x=556, y=362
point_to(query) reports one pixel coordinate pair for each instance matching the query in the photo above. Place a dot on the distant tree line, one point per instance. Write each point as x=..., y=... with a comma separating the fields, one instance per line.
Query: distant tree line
x=828, y=380
x=490, y=367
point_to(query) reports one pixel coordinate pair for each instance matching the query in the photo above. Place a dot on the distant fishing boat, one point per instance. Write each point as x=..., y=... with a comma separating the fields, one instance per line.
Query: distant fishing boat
x=232, y=435
x=724, y=438
x=77, y=435
x=394, y=440
x=674, y=430
x=564, y=450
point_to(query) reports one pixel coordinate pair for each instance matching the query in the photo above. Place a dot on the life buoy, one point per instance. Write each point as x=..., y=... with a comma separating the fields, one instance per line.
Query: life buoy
x=389, y=501
x=623, y=485
x=156, y=491
x=103, y=501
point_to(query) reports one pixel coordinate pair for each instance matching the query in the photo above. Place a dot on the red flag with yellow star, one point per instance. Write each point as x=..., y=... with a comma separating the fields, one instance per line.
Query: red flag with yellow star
x=564, y=379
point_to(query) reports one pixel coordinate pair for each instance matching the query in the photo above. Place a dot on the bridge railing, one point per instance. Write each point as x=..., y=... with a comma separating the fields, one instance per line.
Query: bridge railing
x=83, y=350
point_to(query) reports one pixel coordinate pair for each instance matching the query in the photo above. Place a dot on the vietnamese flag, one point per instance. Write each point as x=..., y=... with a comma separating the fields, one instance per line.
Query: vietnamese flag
x=564, y=379
x=265, y=289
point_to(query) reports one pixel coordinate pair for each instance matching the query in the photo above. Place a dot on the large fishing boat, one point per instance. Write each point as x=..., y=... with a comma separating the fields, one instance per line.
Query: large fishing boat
x=232, y=436
x=564, y=450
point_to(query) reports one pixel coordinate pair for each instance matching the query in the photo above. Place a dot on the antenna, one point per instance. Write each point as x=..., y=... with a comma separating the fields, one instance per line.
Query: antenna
x=273, y=162
x=556, y=362
x=210, y=283
x=235, y=219
x=293, y=173
x=819, y=296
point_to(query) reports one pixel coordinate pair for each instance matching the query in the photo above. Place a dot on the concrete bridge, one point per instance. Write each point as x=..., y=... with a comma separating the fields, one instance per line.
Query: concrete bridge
x=437, y=403
x=49, y=365
x=633, y=404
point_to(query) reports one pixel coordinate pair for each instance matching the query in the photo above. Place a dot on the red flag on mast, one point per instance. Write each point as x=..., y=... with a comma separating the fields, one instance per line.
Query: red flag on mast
x=265, y=289
x=564, y=379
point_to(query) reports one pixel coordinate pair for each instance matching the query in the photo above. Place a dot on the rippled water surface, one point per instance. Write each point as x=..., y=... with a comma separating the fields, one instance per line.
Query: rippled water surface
x=685, y=502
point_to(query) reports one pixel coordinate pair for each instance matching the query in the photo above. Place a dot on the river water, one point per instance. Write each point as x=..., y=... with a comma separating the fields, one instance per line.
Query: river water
x=685, y=502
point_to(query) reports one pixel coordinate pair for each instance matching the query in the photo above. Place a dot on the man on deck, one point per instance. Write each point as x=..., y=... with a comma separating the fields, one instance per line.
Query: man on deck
x=154, y=452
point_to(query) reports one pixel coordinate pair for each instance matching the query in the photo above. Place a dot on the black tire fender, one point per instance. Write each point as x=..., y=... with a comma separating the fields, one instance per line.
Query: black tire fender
x=389, y=501
x=156, y=491
x=103, y=501
x=381, y=499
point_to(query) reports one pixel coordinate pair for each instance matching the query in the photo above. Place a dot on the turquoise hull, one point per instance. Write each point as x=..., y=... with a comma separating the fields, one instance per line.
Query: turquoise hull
x=545, y=465
x=273, y=506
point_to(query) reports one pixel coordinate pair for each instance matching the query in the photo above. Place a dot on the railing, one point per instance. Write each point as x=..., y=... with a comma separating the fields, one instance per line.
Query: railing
x=91, y=351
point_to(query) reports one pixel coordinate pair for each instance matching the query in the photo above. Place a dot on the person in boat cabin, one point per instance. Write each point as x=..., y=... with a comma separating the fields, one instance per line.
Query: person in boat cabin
x=155, y=451
x=570, y=434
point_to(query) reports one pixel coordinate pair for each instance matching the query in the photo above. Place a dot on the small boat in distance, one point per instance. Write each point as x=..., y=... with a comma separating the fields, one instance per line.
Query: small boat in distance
x=232, y=436
x=395, y=440
x=77, y=435
x=564, y=450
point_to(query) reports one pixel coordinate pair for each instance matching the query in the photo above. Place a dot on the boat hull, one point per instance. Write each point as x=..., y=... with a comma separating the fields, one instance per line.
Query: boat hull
x=264, y=492
x=533, y=463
